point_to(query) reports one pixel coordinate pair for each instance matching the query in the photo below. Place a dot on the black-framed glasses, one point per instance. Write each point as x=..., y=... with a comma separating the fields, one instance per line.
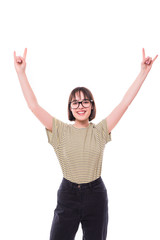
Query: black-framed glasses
x=85, y=103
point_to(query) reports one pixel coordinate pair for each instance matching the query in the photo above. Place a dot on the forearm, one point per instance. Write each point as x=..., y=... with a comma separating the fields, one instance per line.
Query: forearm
x=134, y=88
x=27, y=90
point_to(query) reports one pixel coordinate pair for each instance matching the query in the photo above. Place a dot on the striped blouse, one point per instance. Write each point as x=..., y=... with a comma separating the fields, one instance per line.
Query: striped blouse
x=79, y=150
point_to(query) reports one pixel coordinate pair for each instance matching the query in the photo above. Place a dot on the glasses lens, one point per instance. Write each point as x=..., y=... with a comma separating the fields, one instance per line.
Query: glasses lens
x=74, y=104
x=86, y=103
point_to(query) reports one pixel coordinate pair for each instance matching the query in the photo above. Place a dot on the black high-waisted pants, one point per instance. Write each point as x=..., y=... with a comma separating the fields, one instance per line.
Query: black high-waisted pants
x=85, y=203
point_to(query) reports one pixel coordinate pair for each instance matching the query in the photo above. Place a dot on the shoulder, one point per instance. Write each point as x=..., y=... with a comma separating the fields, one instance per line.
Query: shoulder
x=100, y=124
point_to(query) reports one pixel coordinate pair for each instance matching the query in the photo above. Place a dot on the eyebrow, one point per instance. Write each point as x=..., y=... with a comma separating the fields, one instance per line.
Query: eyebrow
x=80, y=100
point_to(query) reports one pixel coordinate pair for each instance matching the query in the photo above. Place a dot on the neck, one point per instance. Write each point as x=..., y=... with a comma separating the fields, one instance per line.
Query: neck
x=81, y=124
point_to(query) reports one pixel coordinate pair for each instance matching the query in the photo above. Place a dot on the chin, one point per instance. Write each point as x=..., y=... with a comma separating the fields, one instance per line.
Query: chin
x=82, y=119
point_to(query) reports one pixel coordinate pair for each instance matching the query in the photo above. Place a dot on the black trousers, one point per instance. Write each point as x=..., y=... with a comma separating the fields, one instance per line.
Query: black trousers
x=85, y=203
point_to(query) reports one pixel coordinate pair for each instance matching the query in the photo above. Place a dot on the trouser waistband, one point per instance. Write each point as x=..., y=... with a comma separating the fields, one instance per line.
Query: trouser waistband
x=82, y=185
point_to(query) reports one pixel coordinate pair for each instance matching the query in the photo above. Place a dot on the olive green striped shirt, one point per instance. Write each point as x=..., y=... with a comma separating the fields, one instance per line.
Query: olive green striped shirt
x=79, y=150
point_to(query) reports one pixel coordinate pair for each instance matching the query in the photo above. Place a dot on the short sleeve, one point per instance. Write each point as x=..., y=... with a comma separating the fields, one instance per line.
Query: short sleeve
x=103, y=131
x=55, y=136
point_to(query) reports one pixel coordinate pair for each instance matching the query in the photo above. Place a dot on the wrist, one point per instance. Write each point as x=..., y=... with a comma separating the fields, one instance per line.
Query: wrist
x=144, y=72
x=21, y=73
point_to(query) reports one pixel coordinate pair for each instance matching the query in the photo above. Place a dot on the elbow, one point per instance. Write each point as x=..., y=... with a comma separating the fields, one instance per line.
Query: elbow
x=124, y=104
x=32, y=107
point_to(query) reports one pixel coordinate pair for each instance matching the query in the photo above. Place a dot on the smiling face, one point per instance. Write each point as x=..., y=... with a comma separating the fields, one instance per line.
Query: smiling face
x=81, y=117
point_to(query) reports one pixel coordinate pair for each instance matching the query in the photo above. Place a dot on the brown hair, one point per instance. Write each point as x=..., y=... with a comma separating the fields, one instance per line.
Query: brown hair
x=87, y=93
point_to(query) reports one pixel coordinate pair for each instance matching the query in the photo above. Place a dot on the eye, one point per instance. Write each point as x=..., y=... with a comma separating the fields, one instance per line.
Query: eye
x=74, y=103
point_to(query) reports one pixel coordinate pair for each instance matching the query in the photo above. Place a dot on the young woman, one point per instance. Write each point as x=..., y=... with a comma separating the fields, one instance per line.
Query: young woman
x=82, y=195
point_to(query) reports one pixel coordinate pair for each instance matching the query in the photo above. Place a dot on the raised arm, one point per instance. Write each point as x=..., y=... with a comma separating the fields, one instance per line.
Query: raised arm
x=20, y=66
x=113, y=118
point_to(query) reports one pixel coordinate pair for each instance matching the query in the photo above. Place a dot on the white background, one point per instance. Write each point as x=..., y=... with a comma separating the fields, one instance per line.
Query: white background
x=96, y=44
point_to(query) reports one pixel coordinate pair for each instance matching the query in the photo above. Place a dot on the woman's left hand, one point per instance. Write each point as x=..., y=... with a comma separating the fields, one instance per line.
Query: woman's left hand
x=147, y=62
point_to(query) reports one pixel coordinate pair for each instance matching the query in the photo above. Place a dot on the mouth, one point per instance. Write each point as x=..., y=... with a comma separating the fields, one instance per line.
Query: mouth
x=81, y=113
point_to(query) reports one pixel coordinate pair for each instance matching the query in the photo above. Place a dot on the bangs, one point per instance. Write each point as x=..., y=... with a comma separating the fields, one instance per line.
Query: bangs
x=78, y=91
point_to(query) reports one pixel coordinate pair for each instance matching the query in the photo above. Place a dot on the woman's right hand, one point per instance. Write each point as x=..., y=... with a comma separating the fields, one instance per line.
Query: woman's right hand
x=20, y=62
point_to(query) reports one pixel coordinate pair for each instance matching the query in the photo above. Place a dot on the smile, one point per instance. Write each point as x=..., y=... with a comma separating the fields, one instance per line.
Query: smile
x=81, y=112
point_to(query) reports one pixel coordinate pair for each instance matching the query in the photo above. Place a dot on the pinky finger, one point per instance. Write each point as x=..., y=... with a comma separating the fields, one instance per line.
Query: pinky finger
x=155, y=58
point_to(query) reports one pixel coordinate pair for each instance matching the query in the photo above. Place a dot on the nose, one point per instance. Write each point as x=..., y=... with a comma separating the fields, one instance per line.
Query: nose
x=80, y=105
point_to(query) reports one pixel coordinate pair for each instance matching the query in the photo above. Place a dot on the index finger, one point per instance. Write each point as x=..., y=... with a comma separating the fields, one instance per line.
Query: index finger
x=143, y=53
x=14, y=54
x=25, y=53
